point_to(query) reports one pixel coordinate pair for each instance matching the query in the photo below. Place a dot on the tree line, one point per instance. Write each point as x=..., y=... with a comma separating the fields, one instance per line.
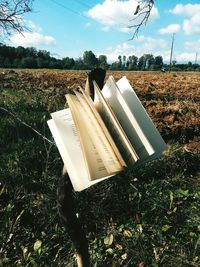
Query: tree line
x=20, y=57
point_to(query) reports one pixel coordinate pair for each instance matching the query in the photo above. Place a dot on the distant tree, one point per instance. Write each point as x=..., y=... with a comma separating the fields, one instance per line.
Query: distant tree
x=173, y=65
x=1, y=60
x=119, y=62
x=158, y=63
x=114, y=66
x=20, y=52
x=131, y=66
x=190, y=66
x=149, y=58
x=40, y=62
x=146, y=62
x=90, y=60
x=16, y=63
x=31, y=52
x=142, y=63
x=10, y=52
x=7, y=63
x=54, y=63
x=132, y=62
x=79, y=64
x=124, y=62
x=68, y=63
x=174, y=62
x=21, y=57
x=29, y=62
x=11, y=12
x=43, y=54
x=102, y=62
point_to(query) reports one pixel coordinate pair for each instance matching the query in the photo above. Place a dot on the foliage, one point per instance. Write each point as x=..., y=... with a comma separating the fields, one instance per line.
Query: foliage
x=90, y=60
x=20, y=57
x=147, y=216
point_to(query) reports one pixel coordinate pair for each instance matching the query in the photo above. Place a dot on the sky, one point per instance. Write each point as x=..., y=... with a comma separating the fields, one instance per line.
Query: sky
x=67, y=28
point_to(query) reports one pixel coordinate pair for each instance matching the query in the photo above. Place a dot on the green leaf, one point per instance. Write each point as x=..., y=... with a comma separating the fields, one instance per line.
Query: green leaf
x=192, y=234
x=109, y=251
x=166, y=227
x=108, y=240
x=2, y=190
x=171, y=199
x=127, y=233
x=124, y=256
x=37, y=245
x=4, y=261
x=139, y=228
x=197, y=195
x=182, y=193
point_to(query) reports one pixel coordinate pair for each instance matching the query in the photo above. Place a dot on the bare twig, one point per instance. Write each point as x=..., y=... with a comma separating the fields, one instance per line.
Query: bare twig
x=11, y=12
x=143, y=10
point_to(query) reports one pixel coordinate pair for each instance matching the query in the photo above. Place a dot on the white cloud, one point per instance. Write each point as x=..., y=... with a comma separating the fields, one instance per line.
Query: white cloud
x=31, y=39
x=185, y=57
x=34, y=37
x=32, y=26
x=172, y=28
x=148, y=45
x=117, y=14
x=105, y=29
x=186, y=10
x=192, y=11
x=142, y=45
x=192, y=46
x=192, y=26
x=125, y=29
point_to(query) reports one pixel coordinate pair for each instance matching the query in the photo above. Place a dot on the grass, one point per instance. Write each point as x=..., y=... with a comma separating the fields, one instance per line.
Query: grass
x=148, y=216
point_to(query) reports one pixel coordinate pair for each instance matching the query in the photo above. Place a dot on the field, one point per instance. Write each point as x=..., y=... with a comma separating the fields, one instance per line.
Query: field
x=149, y=216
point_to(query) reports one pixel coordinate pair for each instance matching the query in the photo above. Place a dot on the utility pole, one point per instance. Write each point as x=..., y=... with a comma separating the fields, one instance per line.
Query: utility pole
x=171, y=53
x=195, y=62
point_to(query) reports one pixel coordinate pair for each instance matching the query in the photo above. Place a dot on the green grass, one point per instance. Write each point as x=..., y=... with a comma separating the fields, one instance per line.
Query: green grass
x=149, y=216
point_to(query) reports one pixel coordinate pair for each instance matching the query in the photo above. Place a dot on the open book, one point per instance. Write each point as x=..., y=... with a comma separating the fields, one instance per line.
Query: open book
x=98, y=139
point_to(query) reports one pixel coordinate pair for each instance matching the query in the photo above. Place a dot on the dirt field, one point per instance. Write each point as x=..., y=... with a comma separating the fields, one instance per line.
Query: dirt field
x=171, y=99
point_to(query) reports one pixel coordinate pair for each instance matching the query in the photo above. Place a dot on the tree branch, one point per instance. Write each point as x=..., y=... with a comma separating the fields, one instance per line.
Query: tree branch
x=143, y=10
x=11, y=15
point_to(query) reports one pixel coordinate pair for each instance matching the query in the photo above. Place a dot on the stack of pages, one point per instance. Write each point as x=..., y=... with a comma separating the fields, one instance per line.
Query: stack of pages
x=98, y=139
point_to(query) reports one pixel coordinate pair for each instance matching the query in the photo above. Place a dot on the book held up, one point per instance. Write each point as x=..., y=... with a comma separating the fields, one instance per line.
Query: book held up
x=98, y=139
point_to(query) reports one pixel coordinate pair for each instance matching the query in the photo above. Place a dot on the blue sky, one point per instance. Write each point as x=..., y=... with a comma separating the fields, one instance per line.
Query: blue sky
x=70, y=27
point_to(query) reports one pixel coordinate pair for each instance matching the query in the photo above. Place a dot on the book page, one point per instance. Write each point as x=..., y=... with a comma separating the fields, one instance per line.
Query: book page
x=101, y=125
x=127, y=120
x=141, y=115
x=114, y=127
x=65, y=135
x=95, y=166
x=94, y=131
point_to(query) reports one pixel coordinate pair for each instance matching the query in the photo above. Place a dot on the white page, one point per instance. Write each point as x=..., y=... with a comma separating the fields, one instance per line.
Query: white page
x=64, y=133
x=103, y=127
x=141, y=116
x=127, y=120
x=93, y=161
x=95, y=132
x=114, y=127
